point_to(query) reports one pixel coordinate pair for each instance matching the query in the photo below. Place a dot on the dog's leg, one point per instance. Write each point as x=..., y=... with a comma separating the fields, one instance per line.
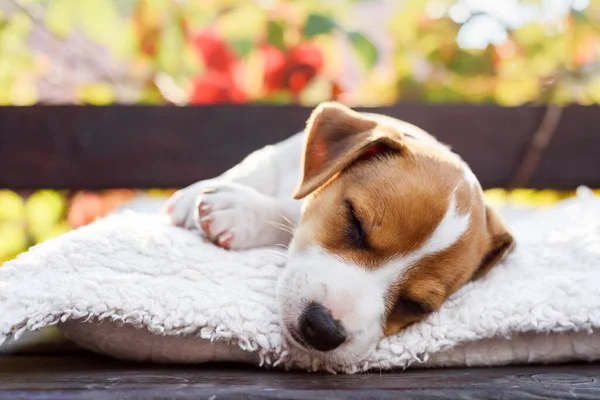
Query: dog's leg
x=248, y=206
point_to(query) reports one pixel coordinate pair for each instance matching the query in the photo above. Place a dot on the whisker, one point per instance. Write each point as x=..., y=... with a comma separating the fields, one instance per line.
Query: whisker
x=279, y=253
x=278, y=257
x=291, y=224
x=283, y=227
x=274, y=253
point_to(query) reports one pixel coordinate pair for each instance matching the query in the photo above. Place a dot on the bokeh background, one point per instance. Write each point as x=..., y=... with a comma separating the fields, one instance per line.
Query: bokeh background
x=361, y=52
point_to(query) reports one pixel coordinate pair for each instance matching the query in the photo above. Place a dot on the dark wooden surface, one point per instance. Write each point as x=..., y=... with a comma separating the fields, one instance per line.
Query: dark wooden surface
x=90, y=377
x=143, y=146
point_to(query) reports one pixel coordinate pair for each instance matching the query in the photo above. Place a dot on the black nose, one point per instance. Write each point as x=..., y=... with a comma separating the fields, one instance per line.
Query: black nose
x=320, y=330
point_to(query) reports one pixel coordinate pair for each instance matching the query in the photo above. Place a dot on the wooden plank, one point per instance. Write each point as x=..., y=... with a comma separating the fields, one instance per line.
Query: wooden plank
x=98, y=378
x=146, y=146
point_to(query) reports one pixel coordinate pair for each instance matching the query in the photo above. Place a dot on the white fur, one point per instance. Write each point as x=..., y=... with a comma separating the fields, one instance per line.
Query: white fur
x=469, y=176
x=352, y=295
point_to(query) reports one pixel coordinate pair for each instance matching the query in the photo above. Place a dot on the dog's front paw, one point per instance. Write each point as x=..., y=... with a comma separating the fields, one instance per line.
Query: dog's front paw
x=231, y=215
x=238, y=217
x=182, y=205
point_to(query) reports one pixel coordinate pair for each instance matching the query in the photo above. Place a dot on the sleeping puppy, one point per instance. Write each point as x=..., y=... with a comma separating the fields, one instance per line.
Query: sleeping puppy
x=391, y=224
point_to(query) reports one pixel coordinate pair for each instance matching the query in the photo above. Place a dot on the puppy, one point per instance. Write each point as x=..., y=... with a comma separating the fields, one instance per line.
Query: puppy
x=391, y=224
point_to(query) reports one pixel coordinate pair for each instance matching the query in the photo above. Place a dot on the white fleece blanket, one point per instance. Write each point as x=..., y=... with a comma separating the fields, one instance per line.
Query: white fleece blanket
x=165, y=295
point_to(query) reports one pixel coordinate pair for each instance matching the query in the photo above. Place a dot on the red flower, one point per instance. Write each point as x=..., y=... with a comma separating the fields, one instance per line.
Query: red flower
x=275, y=63
x=292, y=70
x=304, y=63
x=216, y=87
x=218, y=84
x=217, y=54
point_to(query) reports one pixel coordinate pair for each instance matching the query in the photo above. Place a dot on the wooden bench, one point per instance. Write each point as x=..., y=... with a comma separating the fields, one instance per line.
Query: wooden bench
x=166, y=147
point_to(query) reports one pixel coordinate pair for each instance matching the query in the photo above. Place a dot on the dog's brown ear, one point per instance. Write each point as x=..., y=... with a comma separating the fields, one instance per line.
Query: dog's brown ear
x=336, y=137
x=500, y=243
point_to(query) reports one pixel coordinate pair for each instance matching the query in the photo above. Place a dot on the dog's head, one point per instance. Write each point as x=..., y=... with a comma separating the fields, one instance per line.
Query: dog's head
x=392, y=224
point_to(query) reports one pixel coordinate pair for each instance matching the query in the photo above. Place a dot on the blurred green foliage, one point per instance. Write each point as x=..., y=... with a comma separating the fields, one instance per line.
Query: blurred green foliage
x=163, y=45
x=540, y=61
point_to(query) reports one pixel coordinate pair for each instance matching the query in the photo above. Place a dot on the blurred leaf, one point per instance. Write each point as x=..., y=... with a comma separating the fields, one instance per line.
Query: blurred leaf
x=126, y=7
x=101, y=21
x=593, y=89
x=150, y=95
x=159, y=192
x=127, y=44
x=318, y=25
x=404, y=24
x=495, y=197
x=243, y=22
x=192, y=61
x=280, y=97
x=61, y=16
x=43, y=210
x=275, y=34
x=366, y=50
x=24, y=92
x=471, y=62
x=530, y=34
x=17, y=63
x=317, y=91
x=546, y=197
x=521, y=196
x=524, y=197
x=513, y=92
x=171, y=48
x=530, y=197
x=96, y=94
x=20, y=25
x=254, y=73
x=14, y=240
x=443, y=93
x=57, y=230
x=242, y=47
x=12, y=206
x=376, y=90
x=147, y=20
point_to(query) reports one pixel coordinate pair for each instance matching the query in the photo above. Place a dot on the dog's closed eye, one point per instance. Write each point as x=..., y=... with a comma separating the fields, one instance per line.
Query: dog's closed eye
x=356, y=233
x=408, y=306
